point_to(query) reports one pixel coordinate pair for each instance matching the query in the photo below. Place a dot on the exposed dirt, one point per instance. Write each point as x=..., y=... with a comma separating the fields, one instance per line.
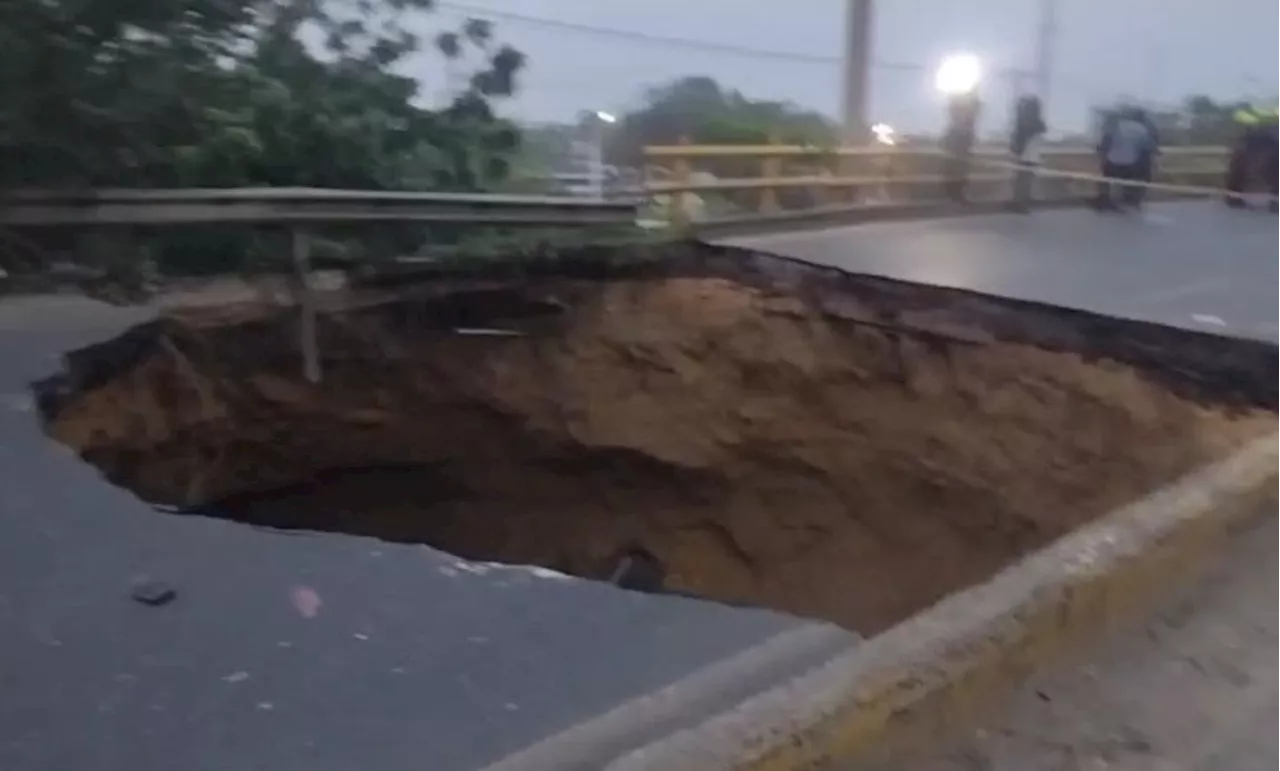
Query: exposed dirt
x=834, y=446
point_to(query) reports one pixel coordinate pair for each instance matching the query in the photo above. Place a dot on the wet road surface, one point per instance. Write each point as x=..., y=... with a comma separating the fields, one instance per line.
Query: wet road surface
x=410, y=660
x=332, y=652
x=1192, y=265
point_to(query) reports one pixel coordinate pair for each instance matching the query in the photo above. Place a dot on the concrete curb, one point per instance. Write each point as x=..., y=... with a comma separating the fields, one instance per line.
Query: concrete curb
x=925, y=678
x=586, y=746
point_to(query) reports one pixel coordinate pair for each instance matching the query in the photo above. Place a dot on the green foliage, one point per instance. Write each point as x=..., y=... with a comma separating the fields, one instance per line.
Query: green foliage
x=1205, y=121
x=244, y=93
x=594, y=252
x=224, y=92
x=697, y=108
x=497, y=245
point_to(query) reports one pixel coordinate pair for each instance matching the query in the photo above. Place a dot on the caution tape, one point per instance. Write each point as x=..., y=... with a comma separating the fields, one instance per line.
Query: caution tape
x=1165, y=187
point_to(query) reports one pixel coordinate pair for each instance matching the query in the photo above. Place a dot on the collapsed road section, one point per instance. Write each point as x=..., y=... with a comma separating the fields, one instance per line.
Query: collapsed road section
x=760, y=430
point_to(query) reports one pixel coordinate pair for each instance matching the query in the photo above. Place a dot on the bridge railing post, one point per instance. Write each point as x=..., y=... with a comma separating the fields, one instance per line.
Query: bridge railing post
x=677, y=201
x=770, y=168
x=304, y=297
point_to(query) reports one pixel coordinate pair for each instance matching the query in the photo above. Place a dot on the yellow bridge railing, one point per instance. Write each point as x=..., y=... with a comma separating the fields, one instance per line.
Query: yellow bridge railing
x=705, y=183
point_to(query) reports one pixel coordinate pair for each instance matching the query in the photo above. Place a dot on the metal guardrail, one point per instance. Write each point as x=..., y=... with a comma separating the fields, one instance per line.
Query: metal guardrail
x=884, y=170
x=884, y=175
x=879, y=150
x=298, y=206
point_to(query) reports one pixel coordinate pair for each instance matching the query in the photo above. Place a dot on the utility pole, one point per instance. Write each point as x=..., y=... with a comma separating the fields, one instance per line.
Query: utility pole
x=1046, y=38
x=1155, y=65
x=858, y=21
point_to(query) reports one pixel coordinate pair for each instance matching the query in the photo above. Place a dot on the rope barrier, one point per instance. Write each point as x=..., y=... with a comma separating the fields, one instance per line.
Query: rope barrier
x=1166, y=187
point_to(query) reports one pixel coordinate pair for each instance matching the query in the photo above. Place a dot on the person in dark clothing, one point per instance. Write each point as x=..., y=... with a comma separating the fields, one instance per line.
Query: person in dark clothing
x=1103, y=200
x=1126, y=151
x=962, y=129
x=1269, y=165
x=1028, y=127
x=1144, y=171
x=1254, y=156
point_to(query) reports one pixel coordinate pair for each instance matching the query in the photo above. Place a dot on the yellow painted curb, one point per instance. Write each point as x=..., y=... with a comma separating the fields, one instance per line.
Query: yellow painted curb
x=926, y=677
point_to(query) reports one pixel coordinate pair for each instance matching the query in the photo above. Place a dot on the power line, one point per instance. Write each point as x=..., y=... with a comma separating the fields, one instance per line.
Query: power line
x=711, y=46
x=669, y=41
x=1046, y=39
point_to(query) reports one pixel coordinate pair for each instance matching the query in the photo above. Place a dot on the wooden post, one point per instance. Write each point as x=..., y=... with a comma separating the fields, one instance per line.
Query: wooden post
x=882, y=167
x=301, y=247
x=677, y=212
x=771, y=168
x=846, y=166
x=825, y=194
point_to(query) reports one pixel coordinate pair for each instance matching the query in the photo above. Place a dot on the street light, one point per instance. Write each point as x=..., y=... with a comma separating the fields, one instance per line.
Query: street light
x=884, y=134
x=958, y=74
x=958, y=77
x=597, y=152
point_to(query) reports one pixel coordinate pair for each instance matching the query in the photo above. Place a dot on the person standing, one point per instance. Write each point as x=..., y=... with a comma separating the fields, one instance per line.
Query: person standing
x=1103, y=200
x=1028, y=128
x=1269, y=162
x=1253, y=155
x=1127, y=142
x=1144, y=172
x=957, y=143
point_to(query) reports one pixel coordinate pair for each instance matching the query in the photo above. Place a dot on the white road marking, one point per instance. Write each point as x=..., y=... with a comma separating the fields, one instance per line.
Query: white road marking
x=1212, y=284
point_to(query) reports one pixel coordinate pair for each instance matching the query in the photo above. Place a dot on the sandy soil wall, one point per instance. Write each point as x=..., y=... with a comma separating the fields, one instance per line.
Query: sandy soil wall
x=831, y=446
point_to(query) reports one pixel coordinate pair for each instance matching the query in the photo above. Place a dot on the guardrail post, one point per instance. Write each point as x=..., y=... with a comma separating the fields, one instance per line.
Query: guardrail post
x=771, y=168
x=825, y=194
x=305, y=298
x=677, y=211
x=882, y=165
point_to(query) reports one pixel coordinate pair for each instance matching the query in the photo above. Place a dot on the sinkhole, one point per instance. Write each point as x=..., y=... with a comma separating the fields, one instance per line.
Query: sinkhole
x=728, y=424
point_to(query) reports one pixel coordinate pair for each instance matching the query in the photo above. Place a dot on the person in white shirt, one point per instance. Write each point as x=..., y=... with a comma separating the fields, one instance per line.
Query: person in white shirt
x=1127, y=149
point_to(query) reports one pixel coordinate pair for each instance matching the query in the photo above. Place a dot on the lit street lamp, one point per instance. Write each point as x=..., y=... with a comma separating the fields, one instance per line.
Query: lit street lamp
x=883, y=134
x=597, y=170
x=958, y=74
x=958, y=77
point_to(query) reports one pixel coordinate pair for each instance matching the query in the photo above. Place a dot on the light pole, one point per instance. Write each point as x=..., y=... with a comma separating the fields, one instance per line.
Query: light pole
x=858, y=20
x=596, y=172
x=957, y=78
x=1047, y=34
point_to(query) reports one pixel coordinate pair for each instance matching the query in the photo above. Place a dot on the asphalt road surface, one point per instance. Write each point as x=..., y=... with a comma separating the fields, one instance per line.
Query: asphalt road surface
x=330, y=652
x=284, y=651
x=1192, y=265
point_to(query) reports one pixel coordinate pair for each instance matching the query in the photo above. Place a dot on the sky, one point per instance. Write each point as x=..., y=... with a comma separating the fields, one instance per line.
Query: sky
x=1154, y=50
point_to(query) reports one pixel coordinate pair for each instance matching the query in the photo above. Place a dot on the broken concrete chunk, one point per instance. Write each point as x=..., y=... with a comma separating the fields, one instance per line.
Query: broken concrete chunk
x=152, y=592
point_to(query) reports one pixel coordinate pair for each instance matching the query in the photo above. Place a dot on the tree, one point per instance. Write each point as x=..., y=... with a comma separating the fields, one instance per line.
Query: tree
x=221, y=93
x=699, y=109
x=1209, y=122
x=224, y=92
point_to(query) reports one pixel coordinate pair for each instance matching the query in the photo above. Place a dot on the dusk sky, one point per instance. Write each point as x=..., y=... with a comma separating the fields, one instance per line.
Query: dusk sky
x=1155, y=50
